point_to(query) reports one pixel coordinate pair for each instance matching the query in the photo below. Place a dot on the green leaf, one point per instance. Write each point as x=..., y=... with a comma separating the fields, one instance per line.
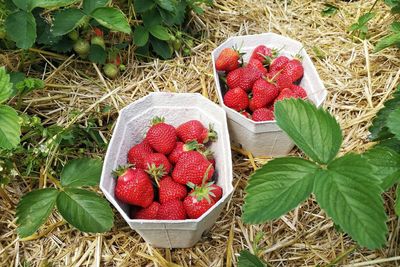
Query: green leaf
x=112, y=19
x=397, y=204
x=66, y=20
x=390, y=40
x=143, y=5
x=85, y=210
x=391, y=143
x=140, y=36
x=159, y=32
x=21, y=28
x=378, y=129
x=312, y=129
x=329, y=10
x=33, y=210
x=395, y=26
x=81, y=172
x=97, y=54
x=23, y=4
x=10, y=129
x=15, y=78
x=6, y=87
x=90, y=5
x=349, y=193
x=161, y=48
x=45, y=35
x=152, y=17
x=51, y=3
x=393, y=123
x=176, y=18
x=168, y=5
x=365, y=18
x=278, y=187
x=246, y=259
x=385, y=163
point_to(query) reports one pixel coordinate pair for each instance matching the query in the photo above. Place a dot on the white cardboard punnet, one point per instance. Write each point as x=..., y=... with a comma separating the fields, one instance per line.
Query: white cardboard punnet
x=131, y=126
x=266, y=138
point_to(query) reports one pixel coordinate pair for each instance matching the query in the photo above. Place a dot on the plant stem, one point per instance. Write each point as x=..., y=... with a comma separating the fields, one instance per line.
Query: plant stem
x=376, y=1
x=339, y=258
x=44, y=232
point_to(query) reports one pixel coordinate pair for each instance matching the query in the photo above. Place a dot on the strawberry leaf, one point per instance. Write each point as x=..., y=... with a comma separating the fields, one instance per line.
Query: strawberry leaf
x=10, y=129
x=386, y=165
x=6, y=87
x=393, y=123
x=246, y=259
x=112, y=18
x=33, y=210
x=350, y=193
x=278, y=187
x=85, y=210
x=90, y=5
x=81, y=172
x=65, y=20
x=312, y=129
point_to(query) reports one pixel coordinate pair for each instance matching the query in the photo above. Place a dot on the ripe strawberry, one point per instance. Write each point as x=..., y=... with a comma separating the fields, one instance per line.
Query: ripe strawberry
x=246, y=114
x=194, y=130
x=134, y=187
x=278, y=63
x=236, y=99
x=283, y=80
x=192, y=167
x=180, y=149
x=199, y=200
x=243, y=77
x=169, y=189
x=264, y=94
x=161, y=136
x=137, y=154
x=286, y=93
x=262, y=53
x=216, y=191
x=157, y=165
x=172, y=210
x=298, y=90
x=255, y=63
x=228, y=60
x=294, y=69
x=98, y=31
x=263, y=114
x=208, y=154
x=149, y=213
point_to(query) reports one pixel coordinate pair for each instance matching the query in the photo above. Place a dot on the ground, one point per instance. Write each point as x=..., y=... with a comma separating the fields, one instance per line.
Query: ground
x=358, y=82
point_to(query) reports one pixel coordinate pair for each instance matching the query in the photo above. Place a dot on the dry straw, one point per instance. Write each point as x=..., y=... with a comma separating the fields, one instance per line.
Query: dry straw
x=358, y=82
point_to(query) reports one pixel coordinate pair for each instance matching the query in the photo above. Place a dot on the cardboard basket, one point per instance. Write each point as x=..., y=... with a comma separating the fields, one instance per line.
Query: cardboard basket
x=266, y=138
x=131, y=126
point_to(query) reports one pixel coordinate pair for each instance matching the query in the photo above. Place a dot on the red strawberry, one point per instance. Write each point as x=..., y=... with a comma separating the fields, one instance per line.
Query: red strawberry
x=216, y=191
x=283, y=80
x=192, y=167
x=246, y=114
x=263, y=114
x=194, y=130
x=236, y=99
x=208, y=154
x=264, y=94
x=98, y=31
x=180, y=149
x=137, y=154
x=169, y=189
x=228, y=60
x=149, y=213
x=243, y=77
x=134, y=187
x=294, y=69
x=286, y=93
x=172, y=210
x=255, y=63
x=278, y=63
x=161, y=136
x=262, y=53
x=199, y=200
x=157, y=165
x=298, y=90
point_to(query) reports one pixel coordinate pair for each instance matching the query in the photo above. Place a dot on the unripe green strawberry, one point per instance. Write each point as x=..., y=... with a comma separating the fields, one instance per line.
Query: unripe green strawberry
x=74, y=35
x=177, y=44
x=110, y=70
x=82, y=47
x=98, y=40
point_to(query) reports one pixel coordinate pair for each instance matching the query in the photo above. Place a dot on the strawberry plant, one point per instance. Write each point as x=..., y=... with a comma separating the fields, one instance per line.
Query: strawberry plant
x=81, y=208
x=392, y=39
x=349, y=188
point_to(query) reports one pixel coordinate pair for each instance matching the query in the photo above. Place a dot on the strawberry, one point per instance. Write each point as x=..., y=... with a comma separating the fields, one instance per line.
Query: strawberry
x=243, y=77
x=285, y=93
x=110, y=70
x=216, y=191
x=298, y=90
x=98, y=31
x=263, y=114
x=180, y=149
x=169, y=189
x=134, y=187
x=157, y=165
x=294, y=69
x=283, y=80
x=191, y=167
x=246, y=114
x=262, y=54
x=255, y=63
x=199, y=200
x=236, y=99
x=208, y=154
x=137, y=154
x=82, y=47
x=172, y=210
x=264, y=94
x=228, y=60
x=98, y=40
x=149, y=213
x=194, y=130
x=278, y=63
x=161, y=136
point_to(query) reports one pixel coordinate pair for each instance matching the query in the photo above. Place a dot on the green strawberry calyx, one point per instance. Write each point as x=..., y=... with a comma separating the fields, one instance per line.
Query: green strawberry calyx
x=156, y=172
x=156, y=120
x=212, y=134
x=121, y=170
x=192, y=145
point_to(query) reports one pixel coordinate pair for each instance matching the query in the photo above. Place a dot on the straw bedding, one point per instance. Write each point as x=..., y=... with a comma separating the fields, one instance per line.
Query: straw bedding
x=358, y=82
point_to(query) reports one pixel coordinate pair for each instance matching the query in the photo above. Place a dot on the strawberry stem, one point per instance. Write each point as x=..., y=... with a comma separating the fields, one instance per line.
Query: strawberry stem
x=157, y=120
